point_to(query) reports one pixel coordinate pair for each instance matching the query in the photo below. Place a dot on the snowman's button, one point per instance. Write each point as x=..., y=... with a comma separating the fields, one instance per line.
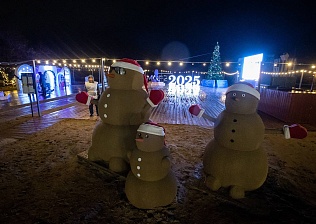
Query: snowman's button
x=139, y=159
x=108, y=95
x=232, y=140
x=105, y=116
x=105, y=105
x=233, y=130
x=138, y=175
x=235, y=120
x=138, y=167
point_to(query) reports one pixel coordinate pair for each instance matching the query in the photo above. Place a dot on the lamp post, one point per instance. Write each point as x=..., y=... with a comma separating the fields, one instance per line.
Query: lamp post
x=312, y=86
x=301, y=79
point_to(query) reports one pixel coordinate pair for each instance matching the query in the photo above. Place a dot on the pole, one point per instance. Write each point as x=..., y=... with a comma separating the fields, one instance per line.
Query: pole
x=312, y=86
x=301, y=80
x=31, y=103
x=36, y=92
x=73, y=76
x=65, y=84
x=102, y=74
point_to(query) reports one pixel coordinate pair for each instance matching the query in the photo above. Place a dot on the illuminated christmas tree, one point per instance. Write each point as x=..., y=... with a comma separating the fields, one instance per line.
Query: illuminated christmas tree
x=215, y=70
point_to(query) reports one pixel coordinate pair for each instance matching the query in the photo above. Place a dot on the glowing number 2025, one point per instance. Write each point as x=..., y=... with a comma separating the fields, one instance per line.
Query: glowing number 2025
x=182, y=80
x=173, y=79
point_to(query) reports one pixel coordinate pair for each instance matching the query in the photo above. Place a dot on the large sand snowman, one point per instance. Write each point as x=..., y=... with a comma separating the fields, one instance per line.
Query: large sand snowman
x=235, y=158
x=122, y=108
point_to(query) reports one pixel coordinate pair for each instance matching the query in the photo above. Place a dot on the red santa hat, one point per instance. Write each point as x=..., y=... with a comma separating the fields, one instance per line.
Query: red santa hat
x=128, y=64
x=132, y=65
x=151, y=128
x=244, y=87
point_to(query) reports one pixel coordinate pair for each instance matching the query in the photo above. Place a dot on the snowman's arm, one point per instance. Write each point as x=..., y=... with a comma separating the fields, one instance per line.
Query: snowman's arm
x=208, y=117
x=155, y=97
x=273, y=131
x=196, y=110
x=289, y=131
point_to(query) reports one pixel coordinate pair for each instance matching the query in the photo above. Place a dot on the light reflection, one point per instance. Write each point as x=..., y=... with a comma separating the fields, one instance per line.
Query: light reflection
x=187, y=90
x=223, y=97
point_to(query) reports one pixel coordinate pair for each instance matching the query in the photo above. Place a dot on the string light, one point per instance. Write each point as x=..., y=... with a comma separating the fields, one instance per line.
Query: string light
x=287, y=73
x=169, y=63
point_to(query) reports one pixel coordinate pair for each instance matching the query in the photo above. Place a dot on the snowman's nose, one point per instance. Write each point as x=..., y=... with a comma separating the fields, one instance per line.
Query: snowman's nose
x=139, y=140
x=235, y=98
x=110, y=75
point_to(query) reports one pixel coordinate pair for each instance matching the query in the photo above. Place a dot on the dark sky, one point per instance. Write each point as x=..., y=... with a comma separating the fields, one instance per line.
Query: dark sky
x=168, y=30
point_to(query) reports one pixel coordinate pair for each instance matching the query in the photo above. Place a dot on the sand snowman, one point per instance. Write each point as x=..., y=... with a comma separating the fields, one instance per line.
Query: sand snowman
x=122, y=108
x=151, y=182
x=235, y=158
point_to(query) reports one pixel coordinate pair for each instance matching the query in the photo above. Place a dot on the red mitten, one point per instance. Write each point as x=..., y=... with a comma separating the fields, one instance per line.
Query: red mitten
x=155, y=97
x=196, y=110
x=83, y=97
x=294, y=131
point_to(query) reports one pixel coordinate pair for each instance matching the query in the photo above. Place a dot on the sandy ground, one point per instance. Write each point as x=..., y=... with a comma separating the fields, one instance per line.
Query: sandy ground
x=43, y=182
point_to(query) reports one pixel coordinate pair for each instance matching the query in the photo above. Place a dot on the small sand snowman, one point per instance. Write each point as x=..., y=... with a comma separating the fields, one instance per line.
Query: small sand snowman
x=151, y=182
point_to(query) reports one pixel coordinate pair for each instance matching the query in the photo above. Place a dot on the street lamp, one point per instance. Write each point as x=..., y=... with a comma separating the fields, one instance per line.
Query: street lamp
x=301, y=78
x=312, y=86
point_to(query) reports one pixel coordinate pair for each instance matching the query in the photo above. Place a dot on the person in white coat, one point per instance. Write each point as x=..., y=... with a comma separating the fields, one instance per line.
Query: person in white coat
x=92, y=89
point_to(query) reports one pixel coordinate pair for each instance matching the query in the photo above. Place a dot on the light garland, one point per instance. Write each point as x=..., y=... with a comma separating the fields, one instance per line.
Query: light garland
x=289, y=73
x=95, y=63
x=234, y=73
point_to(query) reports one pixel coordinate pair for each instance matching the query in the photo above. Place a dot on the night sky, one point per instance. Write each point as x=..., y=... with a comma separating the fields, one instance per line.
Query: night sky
x=165, y=30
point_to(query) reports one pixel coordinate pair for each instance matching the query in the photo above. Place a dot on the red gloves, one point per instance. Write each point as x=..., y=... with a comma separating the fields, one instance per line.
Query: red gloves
x=155, y=97
x=84, y=98
x=196, y=110
x=294, y=131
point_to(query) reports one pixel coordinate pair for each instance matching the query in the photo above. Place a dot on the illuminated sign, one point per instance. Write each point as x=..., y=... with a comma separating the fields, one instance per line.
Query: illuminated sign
x=172, y=79
x=251, y=67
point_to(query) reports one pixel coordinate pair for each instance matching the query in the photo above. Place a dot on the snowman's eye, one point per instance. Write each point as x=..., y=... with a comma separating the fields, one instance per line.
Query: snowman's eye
x=139, y=134
x=234, y=94
x=146, y=136
x=243, y=95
